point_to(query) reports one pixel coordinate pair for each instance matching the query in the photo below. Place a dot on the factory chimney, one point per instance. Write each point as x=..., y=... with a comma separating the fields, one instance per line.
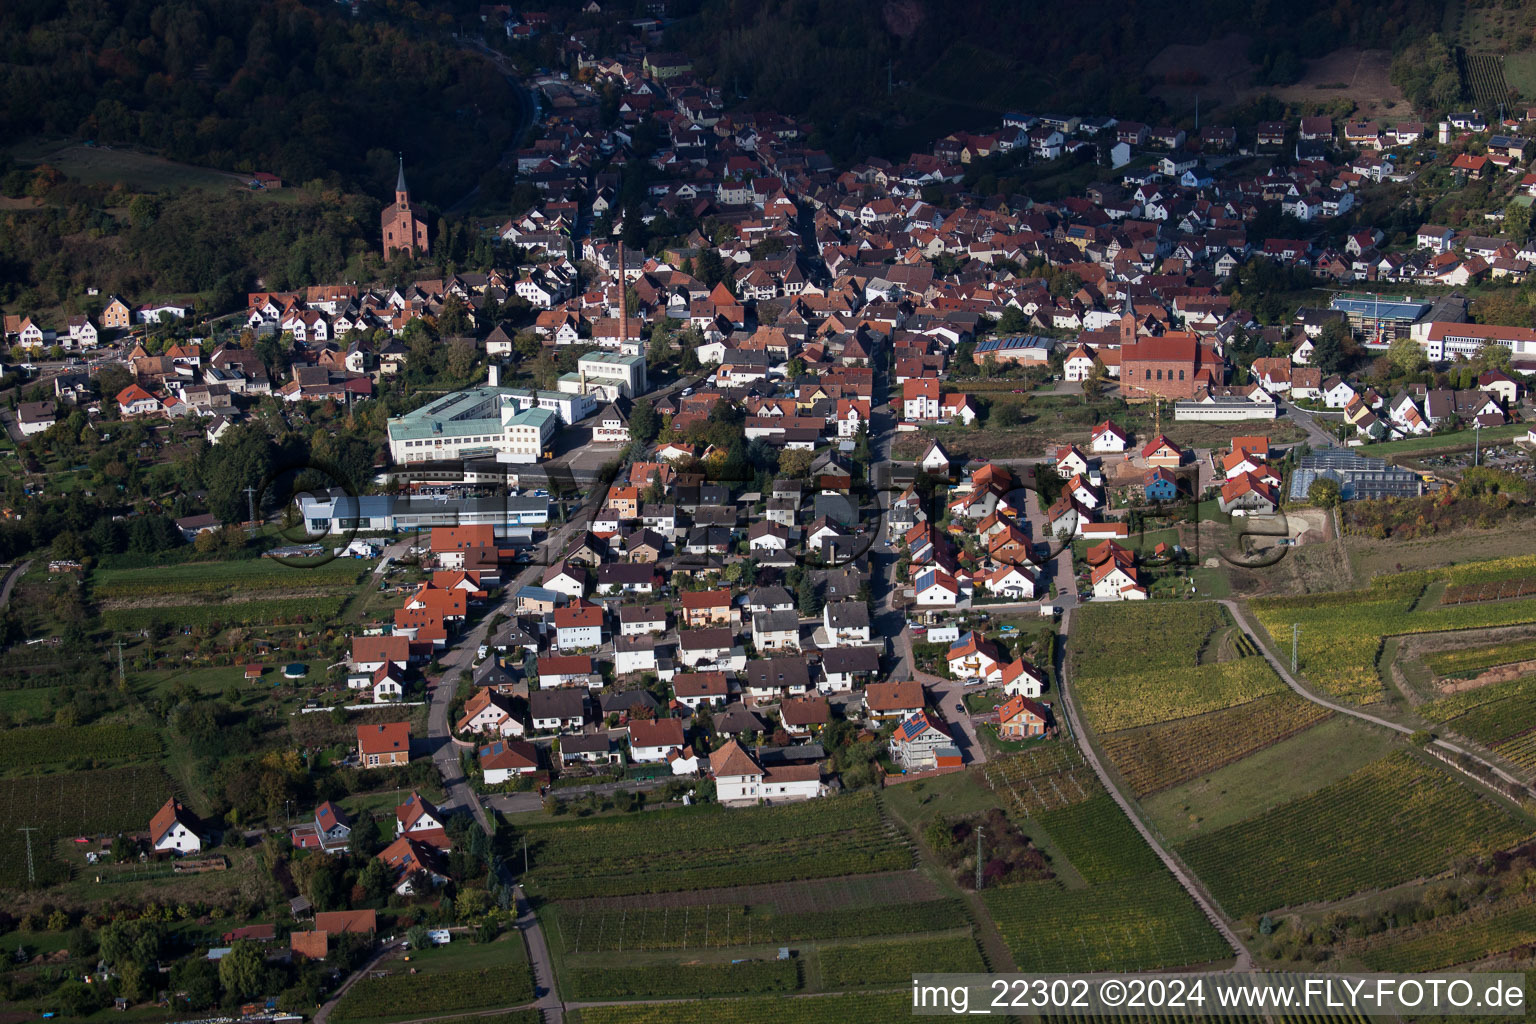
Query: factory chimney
x=623, y=303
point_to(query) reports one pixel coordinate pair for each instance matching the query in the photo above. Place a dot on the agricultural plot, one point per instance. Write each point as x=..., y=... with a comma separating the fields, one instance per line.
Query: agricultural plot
x=1156, y=757
x=1136, y=698
x=1042, y=778
x=222, y=579
x=1483, y=79
x=1470, y=662
x=587, y=928
x=846, y=1008
x=1139, y=924
x=275, y=611
x=893, y=963
x=1132, y=916
x=675, y=981
x=57, y=744
x=1392, y=821
x=1461, y=943
x=402, y=996
x=1139, y=664
x=705, y=847
x=1100, y=841
x=1501, y=716
x=72, y=804
x=1342, y=633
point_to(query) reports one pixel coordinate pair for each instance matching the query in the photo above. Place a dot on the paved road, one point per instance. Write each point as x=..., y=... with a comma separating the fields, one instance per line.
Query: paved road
x=447, y=752
x=1244, y=957
x=1318, y=434
x=385, y=952
x=17, y=572
x=1241, y=618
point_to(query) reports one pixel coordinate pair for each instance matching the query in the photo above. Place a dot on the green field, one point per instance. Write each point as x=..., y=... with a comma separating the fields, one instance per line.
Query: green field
x=1462, y=440
x=1174, y=691
x=92, y=803
x=404, y=996
x=1134, y=925
x=1479, y=936
x=276, y=611
x=580, y=928
x=892, y=964
x=1156, y=757
x=1341, y=632
x=57, y=744
x=1285, y=771
x=707, y=847
x=101, y=165
x=1140, y=664
x=1131, y=916
x=678, y=981
x=1392, y=821
x=1469, y=662
x=224, y=579
x=844, y=1008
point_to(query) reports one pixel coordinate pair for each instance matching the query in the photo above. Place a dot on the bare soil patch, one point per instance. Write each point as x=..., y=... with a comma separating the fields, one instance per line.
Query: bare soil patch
x=1220, y=74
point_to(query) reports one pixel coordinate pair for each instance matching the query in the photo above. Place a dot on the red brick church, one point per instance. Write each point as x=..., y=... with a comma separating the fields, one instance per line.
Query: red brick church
x=404, y=224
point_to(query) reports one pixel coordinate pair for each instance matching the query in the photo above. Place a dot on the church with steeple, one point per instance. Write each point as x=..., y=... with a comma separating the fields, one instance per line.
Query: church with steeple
x=404, y=224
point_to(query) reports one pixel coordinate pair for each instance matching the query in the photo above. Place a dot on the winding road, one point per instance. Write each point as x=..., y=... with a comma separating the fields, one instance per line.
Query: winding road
x=1241, y=618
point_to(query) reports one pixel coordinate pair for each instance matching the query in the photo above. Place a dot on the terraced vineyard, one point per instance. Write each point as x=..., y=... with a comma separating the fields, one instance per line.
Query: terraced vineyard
x=1042, y=778
x=1157, y=757
x=707, y=847
x=1499, y=715
x=1462, y=943
x=1392, y=821
x=1470, y=662
x=1341, y=633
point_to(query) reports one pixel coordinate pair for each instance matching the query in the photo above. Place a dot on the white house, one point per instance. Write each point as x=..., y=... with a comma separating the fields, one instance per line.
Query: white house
x=633, y=654
x=652, y=741
x=174, y=830
x=1012, y=582
x=503, y=759
x=741, y=780
x=578, y=626
x=936, y=589
x=1337, y=393
x=935, y=460
x=1108, y=438
x=1022, y=678
x=846, y=622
